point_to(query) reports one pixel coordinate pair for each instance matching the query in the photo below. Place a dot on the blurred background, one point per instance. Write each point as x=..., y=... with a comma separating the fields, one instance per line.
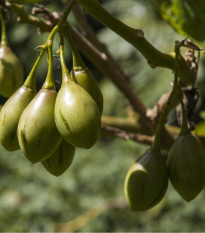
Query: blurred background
x=89, y=196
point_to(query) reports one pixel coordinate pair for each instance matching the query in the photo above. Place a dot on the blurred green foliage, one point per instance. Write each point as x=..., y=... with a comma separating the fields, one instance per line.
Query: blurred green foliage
x=32, y=200
x=187, y=17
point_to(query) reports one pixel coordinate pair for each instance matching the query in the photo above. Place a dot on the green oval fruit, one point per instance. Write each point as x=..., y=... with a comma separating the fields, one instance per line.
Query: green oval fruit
x=85, y=79
x=186, y=166
x=37, y=133
x=10, y=115
x=77, y=116
x=146, y=181
x=60, y=160
x=11, y=72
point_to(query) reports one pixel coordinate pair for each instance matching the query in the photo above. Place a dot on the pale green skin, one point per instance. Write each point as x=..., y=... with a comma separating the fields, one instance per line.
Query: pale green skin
x=37, y=133
x=77, y=116
x=11, y=72
x=85, y=79
x=10, y=115
x=146, y=181
x=186, y=166
x=58, y=162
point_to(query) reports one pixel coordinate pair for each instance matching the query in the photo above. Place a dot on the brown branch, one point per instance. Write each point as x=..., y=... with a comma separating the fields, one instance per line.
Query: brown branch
x=29, y=19
x=110, y=131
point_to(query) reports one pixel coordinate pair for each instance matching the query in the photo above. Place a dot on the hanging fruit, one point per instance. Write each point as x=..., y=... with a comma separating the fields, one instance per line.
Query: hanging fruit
x=37, y=133
x=13, y=108
x=76, y=114
x=186, y=163
x=58, y=162
x=11, y=70
x=146, y=181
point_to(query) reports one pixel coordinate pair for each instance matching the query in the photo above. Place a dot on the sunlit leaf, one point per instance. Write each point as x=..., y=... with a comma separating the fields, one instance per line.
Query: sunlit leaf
x=186, y=17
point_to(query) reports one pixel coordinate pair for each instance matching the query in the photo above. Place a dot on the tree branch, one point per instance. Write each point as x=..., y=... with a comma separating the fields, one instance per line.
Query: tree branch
x=136, y=38
x=110, y=131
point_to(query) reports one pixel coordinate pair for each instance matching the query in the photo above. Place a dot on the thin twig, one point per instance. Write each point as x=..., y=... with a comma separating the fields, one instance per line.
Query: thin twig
x=119, y=133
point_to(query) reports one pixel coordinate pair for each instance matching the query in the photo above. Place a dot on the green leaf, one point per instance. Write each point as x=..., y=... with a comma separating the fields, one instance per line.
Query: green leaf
x=24, y=1
x=186, y=17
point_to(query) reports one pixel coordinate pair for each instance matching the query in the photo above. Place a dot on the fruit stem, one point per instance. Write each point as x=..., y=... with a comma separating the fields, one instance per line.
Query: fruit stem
x=77, y=60
x=4, y=41
x=156, y=144
x=49, y=82
x=31, y=79
x=61, y=22
x=65, y=73
x=184, y=130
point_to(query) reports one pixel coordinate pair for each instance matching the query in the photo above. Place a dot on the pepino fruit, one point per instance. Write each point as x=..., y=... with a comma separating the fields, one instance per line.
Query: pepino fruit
x=11, y=72
x=146, y=181
x=186, y=166
x=13, y=108
x=10, y=115
x=76, y=114
x=60, y=160
x=37, y=133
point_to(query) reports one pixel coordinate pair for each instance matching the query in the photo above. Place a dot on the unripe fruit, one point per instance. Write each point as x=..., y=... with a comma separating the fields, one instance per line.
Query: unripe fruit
x=77, y=116
x=85, y=79
x=10, y=115
x=58, y=162
x=146, y=181
x=11, y=72
x=186, y=166
x=37, y=133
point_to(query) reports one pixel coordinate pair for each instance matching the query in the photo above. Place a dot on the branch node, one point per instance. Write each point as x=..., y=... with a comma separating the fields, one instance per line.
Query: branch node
x=140, y=33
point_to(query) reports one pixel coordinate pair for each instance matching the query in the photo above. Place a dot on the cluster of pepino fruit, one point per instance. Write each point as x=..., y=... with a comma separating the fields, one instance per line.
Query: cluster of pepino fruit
x=147, y=179
x=49, y=125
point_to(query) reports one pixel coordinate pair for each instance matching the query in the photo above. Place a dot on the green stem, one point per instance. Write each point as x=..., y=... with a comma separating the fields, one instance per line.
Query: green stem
x=61, y=22
x=49, y=82
x=31, y=79
x=4, y=41
x=133, y=36
x=136, y=38
x=156, y=144
x=77, y=60
x=65, y=73
x=184, y=130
